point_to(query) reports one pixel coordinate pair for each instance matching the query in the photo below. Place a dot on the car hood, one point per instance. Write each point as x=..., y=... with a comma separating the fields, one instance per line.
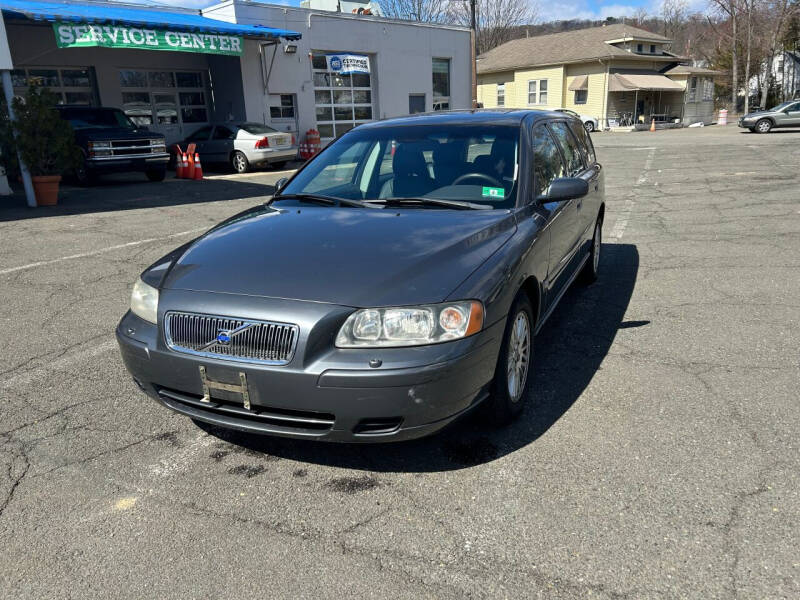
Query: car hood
x=758, y=113
x=347, y=256
x=115, y=133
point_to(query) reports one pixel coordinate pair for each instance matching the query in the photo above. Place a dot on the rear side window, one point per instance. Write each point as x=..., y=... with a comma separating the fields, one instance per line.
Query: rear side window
x=585, y=142
x=547, y=163
x=256, y=128
x=569, y=146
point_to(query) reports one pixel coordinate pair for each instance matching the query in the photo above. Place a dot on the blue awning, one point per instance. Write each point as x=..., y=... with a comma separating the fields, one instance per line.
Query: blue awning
x=128, y=15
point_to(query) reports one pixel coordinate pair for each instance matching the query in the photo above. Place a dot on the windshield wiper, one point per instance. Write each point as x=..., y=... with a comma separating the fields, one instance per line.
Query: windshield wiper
x=321, y=198
x=432, y=202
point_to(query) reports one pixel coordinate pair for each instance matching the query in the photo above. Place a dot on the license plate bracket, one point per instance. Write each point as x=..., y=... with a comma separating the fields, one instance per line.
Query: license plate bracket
x=210, y=384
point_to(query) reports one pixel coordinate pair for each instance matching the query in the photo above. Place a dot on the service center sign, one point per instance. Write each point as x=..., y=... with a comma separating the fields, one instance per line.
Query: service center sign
x=71, y=35
x=346, y=64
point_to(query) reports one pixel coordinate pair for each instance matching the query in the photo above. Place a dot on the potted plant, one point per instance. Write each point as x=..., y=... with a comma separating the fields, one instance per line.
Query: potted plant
x=44, y=140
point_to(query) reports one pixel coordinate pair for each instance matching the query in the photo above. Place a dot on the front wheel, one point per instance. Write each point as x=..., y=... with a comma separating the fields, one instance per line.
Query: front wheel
x=591, y=268
x=763, y=126
x=156, y=174
x=511, y=379
x=589, y=126
x=239, y=162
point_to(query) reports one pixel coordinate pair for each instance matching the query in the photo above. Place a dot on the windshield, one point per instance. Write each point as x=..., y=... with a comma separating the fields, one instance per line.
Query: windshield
x=781, y=106
x=473, y=163
x=81, y=118
x=256, y=128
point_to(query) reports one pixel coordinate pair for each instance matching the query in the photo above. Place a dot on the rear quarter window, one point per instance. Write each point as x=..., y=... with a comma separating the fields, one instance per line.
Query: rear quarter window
x=585, y=143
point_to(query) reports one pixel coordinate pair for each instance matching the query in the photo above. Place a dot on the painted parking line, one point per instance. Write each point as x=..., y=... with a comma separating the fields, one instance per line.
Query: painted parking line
x=52, y=261
x=625, y=213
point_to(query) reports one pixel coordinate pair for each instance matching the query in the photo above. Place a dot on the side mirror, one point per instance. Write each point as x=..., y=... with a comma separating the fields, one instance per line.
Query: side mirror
x=280, y=183
x=566, y=188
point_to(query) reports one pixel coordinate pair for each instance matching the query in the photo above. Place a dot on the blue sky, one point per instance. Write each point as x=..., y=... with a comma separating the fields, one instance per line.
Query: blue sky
x=548, y=10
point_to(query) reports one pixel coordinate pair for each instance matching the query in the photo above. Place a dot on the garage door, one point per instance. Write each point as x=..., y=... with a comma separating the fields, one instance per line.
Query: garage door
x=341, y=101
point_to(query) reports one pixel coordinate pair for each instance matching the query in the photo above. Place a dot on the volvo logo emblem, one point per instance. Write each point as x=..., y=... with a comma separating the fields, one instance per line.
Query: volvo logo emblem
x=224, y=337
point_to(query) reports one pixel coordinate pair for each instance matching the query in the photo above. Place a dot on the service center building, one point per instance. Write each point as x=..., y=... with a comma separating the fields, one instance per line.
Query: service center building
x=176, y=71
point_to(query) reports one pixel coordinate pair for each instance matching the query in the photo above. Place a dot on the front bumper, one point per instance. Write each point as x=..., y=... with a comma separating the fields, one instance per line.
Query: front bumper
x=329, y=395
x=135, y=162
x=746, y=124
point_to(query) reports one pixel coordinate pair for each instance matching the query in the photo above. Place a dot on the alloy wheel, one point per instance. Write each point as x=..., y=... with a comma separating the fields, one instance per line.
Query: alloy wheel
x=519, y=346
x=763, y=126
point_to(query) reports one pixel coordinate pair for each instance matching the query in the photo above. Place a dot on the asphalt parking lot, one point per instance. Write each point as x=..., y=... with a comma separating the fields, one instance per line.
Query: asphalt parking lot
x=659, y=458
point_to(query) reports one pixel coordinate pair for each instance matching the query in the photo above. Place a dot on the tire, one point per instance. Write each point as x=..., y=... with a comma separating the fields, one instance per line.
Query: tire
x=278, y=165
x=84, y=176
x=591, y=268
x=588, y=126
x=763, y=126
x=512, y=374
x=239, y=162
x=156, y=174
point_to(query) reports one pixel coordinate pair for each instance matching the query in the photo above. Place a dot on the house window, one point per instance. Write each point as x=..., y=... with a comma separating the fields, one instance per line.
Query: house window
x=441, y=83
x=541, y=86
x=501, y=94
x=652, y=48
x=708, y=90
x=692, y=90
x=286, y=110
x=580, y=96
x=639, y=48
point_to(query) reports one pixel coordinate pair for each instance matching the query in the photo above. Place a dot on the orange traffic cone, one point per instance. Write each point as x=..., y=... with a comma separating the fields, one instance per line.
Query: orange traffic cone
x=653, y=125
x=178, y=165
x=190, y=168
x=184, y=167
x=198, y=168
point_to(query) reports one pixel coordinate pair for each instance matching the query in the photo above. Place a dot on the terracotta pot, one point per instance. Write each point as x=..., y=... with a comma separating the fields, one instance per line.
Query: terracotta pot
x=46, y=189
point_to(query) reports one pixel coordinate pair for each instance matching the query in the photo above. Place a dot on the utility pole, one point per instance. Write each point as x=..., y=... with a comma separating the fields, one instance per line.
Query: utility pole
x=474, y=38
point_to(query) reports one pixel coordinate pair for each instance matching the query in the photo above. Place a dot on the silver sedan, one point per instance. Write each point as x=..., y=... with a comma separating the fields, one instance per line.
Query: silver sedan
x=243, y=145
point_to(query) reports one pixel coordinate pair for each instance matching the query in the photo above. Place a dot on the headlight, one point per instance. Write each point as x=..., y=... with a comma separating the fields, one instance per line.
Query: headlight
x=144, y=301
x=410, y=326
x=100, y=145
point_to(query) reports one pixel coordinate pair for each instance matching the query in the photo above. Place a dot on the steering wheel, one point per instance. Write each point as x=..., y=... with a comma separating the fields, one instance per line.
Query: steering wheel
x=483, y=176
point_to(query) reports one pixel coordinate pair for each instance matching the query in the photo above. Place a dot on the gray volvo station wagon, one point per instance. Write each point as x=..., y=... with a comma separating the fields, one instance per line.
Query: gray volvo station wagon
x=393, y=284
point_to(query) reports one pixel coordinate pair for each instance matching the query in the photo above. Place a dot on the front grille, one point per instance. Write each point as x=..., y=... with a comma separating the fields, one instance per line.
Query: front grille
x=276, y=419
x=132, y=147
x=241, y=340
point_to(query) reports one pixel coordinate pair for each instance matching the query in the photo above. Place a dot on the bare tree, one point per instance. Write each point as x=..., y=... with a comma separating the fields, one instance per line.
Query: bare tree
x=779, y=14
x=730, y=8
x=424, y=11
x=496, y=21
x=674, y=13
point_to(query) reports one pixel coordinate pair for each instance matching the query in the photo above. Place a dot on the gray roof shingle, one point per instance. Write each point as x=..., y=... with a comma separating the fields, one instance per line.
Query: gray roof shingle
x=565, y=47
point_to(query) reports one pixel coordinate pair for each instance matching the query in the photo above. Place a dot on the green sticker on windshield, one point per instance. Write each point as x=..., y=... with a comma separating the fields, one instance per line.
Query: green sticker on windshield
x=490, y=192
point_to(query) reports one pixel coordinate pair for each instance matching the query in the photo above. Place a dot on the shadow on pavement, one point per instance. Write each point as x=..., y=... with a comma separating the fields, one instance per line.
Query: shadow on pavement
x=568, y=352
x=132, y=193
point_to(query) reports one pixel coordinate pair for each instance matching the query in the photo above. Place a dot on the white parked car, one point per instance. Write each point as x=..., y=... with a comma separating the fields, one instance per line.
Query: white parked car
x=589, y=123
x=242, y=145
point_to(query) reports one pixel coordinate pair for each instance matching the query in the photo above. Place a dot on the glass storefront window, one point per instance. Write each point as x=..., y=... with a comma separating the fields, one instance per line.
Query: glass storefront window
x=75, y=78
x=71, y=86
x=128, y=78
x=43, y=77
x=188, y=79
x=194, y=115
x=161, y=79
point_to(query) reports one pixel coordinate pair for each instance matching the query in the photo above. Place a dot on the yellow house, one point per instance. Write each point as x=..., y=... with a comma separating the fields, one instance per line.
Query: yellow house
x=611, y=75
